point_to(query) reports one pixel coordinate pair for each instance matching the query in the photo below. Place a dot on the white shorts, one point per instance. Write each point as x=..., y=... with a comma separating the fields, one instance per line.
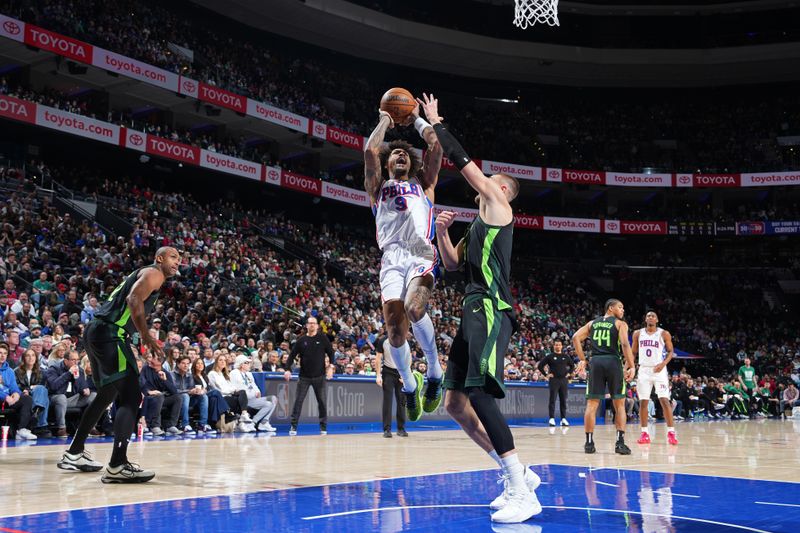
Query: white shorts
x=648, y=379
x=399, y=266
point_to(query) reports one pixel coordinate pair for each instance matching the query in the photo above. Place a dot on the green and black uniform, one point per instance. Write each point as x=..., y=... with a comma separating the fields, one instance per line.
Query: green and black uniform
x=488, y=320
x=108, y=345
x=605, y=365
x=108, y=336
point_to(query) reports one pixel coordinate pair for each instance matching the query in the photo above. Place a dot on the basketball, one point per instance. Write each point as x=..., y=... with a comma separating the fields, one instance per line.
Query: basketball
x=399, y=103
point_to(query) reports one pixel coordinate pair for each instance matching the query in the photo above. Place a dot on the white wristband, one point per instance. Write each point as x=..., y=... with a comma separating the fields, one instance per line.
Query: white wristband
x=420, y=124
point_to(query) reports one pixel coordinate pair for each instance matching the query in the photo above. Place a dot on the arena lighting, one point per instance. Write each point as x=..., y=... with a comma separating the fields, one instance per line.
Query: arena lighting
x=500, y=100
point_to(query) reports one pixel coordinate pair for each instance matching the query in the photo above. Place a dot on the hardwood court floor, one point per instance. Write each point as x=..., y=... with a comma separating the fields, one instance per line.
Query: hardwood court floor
x=189, y=468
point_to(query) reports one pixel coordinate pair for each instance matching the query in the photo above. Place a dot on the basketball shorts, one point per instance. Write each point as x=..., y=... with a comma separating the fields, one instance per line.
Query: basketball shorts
x=605, y=373
x=109, y=349
x=400, y=265
x=648, y=380
x=479, y=348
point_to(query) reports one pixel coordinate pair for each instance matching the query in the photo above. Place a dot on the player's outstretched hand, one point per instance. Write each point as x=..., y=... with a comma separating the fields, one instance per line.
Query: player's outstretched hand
x=431, y=107
x=445, y=220
x=382, y=114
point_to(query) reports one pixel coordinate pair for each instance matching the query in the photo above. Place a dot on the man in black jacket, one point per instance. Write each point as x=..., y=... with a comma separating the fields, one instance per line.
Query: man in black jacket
x=160, y=393
x=559, y=367
x=315, y=352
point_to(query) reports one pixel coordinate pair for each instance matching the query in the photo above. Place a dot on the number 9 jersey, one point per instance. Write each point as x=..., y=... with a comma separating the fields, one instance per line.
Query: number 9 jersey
x=404, y=230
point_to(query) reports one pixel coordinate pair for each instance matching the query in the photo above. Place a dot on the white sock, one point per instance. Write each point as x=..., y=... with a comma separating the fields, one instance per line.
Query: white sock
x=644, y=430
x=402, y=358
x=514, y=470
x=670, y=430
x=426, y=337
x=496, y=458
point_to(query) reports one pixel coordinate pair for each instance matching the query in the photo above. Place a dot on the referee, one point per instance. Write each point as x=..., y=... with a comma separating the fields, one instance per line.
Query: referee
x=559, y=366
x=312, y=348
x=388, y=379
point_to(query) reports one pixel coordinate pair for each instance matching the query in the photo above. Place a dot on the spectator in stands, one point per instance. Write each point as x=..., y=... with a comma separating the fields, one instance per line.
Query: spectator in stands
x=157, y=332
x=42, y=290
x=66, y=384
x=242, y=379
x=15, y=351
x=217, y=406
x=220, y=379
x=89, y=309
x=30, y=381
x=790, y=399
x=272, y=362
x=171, y=359
x=12, y=399
x=159, y=394
x=193, y=396
x=57, y=354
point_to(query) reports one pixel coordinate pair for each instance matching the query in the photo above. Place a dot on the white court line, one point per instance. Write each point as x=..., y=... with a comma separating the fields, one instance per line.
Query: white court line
x=675, y=494
x=606, y=484
x=633, y=469
x=781, y=504
x=397, y=508
x=622, y=511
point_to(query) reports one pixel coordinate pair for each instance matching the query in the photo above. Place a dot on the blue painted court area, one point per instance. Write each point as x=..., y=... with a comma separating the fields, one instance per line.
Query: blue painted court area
x=574, y=500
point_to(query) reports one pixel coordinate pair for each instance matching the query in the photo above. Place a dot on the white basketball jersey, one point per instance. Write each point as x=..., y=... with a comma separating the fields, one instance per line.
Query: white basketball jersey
x=403, y=215
x=651, y=347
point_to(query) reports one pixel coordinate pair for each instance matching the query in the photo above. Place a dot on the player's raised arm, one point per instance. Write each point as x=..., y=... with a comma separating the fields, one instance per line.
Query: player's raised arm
x=488, y=190
x=452, y=256
x=372, y=159
x=432, y=162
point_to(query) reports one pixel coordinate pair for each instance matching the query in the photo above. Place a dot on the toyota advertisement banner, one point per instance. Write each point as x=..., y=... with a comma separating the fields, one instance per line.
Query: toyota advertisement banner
x=76, y=50
x=63, y=121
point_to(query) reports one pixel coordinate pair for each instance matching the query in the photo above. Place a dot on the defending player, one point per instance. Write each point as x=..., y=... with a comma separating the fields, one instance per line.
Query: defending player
x=108, y=345
x=608, y=337
x=649, y=343
x=474, y=377
x=403, y=209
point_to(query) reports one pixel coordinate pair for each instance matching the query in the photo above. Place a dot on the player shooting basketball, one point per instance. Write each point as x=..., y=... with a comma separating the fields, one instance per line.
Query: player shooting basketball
x=403, y=208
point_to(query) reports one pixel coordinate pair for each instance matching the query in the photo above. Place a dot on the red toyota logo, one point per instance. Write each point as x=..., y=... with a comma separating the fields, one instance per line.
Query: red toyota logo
x=189, y=86
x=684, y=179
x=611, y=225
x=554, y=174
x=11, y=27
x=319, y=128
x=136, y=139
x=273, y=174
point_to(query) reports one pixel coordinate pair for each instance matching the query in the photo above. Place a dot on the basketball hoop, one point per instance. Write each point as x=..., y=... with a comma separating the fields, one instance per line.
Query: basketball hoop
x=529, y=12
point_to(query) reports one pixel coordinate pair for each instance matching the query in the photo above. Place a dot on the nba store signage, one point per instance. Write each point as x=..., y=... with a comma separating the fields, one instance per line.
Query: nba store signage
x=360, y=401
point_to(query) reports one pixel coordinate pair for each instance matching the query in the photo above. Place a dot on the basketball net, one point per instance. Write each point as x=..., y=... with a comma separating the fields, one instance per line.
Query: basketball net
x=529, y=12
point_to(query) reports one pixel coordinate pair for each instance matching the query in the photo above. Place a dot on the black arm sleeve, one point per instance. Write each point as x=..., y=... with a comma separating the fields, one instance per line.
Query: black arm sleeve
x=452, y=148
